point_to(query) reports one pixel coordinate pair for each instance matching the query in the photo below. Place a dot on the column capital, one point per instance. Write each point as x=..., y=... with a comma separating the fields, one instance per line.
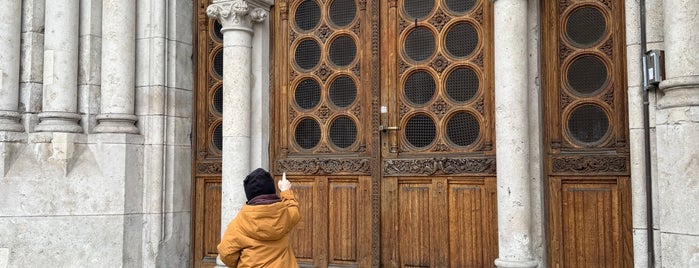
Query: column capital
x=235, y=14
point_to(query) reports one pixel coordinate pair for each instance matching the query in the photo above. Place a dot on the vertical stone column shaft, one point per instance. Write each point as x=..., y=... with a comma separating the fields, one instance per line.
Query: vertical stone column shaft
x=677, y=129
x=512, y=134
x=10, y=31
x=118, y=67
x=236, y=20
x=60, y=94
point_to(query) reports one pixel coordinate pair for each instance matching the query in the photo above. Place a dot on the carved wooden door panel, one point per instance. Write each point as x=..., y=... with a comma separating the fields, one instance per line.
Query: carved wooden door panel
x=438, y=164
x=587, y=156
x=207, y=139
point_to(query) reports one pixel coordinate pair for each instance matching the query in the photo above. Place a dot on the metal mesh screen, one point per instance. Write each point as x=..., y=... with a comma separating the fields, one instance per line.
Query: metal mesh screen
x=218, y=63
x=218, y=99
x=462, y=84
x=307, y=15
x=343, y=132
x=342, y=51
x=418, y=9
x=343, y=91
x=420, y=131
x=217, y=30
x=217, y=139
x=419, y=87
x=461, y=40
x=420, y=44
x=463, y=129
x=342, y=12
x=460, y=6
x=307, y=94
x=587, y=74
x=307, y=54
x=588, y=124
x=585, y=27
x=307, y=133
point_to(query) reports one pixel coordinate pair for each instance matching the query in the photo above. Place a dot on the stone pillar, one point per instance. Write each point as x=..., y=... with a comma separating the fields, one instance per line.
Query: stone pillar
x=677, y=132
x=236, y=19
x=512, y=134
x=118, y=75
x=9, y=64
x=60, y=94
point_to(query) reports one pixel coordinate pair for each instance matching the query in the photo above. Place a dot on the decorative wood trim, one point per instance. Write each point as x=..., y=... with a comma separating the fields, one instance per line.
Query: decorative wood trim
x=590, y=164
x=441, y=166
x=209, y=168
x=324, y=166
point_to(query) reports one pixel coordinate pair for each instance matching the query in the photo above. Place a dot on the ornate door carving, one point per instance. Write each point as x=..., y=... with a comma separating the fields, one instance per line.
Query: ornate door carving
x=383, y=120
x=587, y=161
x=207, y=139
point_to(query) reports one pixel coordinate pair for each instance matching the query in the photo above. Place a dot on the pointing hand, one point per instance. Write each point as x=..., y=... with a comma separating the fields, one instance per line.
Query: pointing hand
x=284, y=184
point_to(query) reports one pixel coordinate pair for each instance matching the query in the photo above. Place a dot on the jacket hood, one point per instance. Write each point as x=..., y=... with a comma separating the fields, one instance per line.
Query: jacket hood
x=265, y=222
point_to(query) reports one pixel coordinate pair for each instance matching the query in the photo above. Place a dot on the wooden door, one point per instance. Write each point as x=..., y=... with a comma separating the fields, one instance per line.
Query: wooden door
x=588, y=196
x=383, y=120
x=207, y=139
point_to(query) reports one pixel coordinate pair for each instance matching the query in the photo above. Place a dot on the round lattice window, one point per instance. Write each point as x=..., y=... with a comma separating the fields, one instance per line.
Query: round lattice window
x=463, y=129
x=307, y=15
x=342, y=12
x=218, y=63
x=588, y=124
x=217, y=137
x=418, y=9
x=217, y=101
x=462, y=84
x=420, y=131
x=419, y=87
x=307, y=54
x=307, y=94
x=343, y=132
x=307, y=133
x=461, y=40
x=587, y=75
x=420, y=44
x=343, y=91
x=585, y=27
x=460, y=7
x=342, y=51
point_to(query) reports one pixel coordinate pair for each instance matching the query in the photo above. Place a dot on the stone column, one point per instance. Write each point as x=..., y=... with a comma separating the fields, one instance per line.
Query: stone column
x=9, y=64
x=236, y=19
x=60, y=94
x=677, y=136
x=118, y=75
x=512, y=134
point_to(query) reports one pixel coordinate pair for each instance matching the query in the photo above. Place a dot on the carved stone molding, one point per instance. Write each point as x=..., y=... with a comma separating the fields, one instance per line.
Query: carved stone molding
x=447, y=166
x=590, y=164
x=235, y=15
x=318, y=166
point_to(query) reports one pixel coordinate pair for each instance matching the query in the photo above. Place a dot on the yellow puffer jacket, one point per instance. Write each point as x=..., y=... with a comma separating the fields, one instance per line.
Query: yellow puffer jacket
x=259, y=235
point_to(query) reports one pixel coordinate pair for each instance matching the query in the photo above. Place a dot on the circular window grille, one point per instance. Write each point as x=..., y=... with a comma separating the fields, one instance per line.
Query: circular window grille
x=585, y=27
x=307, y=133
x=419, y=45
x=460, y=7
x=217, y=138
x=588, y=124
x=462, y=84
x=463, y=129
x=218, y=63
x=342, y=51
x=420, y=131
x=307, y=94
x=419, y=87
x=217, y=31
x=307, y=15
x=587, y=75
x=418, y=9
x=342, y=12
x=343, y=132
x=461, y=40
x=307, y=54
x=343, y=91
x=218, y=99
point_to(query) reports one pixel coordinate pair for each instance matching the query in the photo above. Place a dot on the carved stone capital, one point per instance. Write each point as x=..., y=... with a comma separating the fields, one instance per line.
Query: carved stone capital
x=235, y=15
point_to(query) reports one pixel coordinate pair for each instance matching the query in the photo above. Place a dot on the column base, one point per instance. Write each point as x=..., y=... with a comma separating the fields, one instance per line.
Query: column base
x=58, y=122
x=515, y=264
x=9, y=121
x=116, y=123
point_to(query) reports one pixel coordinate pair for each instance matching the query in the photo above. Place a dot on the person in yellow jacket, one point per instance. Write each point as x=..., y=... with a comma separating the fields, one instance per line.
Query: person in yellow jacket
x=259, y=234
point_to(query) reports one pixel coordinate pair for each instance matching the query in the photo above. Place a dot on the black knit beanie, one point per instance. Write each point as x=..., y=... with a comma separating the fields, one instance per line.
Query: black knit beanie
x=259, y=182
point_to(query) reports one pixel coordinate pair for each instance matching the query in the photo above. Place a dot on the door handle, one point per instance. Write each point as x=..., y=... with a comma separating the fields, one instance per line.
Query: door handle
x=386, y=128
